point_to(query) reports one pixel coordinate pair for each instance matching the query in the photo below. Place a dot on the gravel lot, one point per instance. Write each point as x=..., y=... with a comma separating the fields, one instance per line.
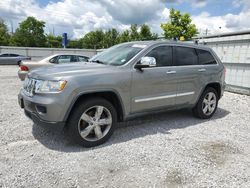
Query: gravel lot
x=166, y=150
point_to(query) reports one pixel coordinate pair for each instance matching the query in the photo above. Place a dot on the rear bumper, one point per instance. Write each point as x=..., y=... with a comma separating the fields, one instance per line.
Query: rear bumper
x=22, y=74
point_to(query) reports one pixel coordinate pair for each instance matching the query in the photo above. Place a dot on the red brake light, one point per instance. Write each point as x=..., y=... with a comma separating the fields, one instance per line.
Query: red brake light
x=24, y=68
x=225, y=70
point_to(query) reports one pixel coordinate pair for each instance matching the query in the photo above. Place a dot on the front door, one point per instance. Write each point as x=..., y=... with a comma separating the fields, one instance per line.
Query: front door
x=155, y=87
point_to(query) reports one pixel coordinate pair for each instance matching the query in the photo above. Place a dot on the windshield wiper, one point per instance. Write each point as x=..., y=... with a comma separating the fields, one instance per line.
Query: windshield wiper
x=98, y=61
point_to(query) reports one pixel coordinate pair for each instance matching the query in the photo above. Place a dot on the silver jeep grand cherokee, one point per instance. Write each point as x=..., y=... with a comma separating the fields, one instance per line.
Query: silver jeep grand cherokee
x=122, y=82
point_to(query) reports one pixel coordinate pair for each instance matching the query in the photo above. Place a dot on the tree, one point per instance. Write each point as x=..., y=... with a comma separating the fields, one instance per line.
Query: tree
x=75, y=44
x=146, y=34
x=54, y=41
x=93, y=40
x=134, y=35
x=124, y=36
x=110, y=37
x=30, y=33
x=179, y=25
x=4, y=35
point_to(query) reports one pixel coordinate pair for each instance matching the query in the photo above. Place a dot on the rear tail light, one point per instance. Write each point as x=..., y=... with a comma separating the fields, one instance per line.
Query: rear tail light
x=24, y=68
x=225, y=70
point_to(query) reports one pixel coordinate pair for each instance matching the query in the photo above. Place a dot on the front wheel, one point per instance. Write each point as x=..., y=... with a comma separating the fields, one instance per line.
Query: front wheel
x=207, y=104
x=92, y=122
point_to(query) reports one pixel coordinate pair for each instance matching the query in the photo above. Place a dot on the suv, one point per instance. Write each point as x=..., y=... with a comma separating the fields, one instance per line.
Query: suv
x=122, y=82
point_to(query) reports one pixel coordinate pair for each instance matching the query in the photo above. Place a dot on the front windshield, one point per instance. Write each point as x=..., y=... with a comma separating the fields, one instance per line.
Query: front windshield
x=117, y=55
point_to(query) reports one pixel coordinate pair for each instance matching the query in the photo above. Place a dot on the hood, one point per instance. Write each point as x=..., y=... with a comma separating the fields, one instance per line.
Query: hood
x=59, y=71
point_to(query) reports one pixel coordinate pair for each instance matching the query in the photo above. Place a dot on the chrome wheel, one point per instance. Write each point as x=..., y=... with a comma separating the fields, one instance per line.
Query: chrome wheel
x=95, y=123
x=209, y=103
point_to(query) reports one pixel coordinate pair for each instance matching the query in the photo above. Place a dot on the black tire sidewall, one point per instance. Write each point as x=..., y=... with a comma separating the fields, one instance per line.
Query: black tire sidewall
x=198, y=108
x=79, y=110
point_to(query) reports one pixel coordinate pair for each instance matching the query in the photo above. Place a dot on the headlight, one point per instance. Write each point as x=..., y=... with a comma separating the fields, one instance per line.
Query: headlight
x=46, y=86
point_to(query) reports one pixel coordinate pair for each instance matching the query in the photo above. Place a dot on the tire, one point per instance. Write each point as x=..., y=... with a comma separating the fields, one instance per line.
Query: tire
x=203, y=112
x=92, y=122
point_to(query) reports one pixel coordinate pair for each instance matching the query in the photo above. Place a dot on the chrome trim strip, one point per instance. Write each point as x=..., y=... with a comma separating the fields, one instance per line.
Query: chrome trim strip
x=184, y=94
x=164, y=97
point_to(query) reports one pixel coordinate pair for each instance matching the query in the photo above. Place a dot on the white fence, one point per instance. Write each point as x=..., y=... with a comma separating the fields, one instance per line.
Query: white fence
x=234, y=52
x=38, y=53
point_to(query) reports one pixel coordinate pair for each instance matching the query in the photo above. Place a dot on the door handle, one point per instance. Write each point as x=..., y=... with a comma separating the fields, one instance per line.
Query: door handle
x=201, y=70
x=171, y=72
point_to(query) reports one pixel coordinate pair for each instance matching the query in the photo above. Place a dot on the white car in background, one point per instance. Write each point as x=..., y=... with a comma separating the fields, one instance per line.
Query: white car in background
x=26, y=66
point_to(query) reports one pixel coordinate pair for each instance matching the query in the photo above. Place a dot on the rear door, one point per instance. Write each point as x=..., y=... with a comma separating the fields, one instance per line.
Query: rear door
x=188, y=75
x=155, y=87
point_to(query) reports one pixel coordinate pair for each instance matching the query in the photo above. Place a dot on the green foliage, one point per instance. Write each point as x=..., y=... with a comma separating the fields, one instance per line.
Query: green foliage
x=124, y=36
x=110, y=37
x=93, y=39
x=30, y=33
x=54, y=41
x=179, y=25
x=134, y=34
x=74, y=44
x=4, y=36
x=146, y=34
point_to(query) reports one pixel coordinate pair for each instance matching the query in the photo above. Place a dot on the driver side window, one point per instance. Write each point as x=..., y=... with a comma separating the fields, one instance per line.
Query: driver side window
x=163, y=55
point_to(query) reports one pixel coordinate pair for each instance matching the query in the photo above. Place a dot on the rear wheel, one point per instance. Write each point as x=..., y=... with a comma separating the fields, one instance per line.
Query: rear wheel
x=92, y=122
x=207, y=104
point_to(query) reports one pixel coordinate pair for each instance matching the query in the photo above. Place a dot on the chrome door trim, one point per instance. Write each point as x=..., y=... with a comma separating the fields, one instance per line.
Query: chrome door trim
x=163, y=97
x=185, y=94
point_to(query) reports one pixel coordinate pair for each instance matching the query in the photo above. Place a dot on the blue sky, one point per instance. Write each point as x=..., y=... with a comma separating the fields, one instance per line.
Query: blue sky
x=77, y=17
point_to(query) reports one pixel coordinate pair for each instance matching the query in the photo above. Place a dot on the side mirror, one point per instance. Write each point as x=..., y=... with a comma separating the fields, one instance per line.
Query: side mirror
x=146, y=62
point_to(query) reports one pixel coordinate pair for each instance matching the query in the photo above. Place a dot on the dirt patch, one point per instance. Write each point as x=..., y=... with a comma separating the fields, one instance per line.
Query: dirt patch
x=175, y=179
x=218, y=152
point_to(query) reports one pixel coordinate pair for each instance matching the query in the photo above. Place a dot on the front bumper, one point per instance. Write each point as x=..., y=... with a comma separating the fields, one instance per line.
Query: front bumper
x=44, y=113
x=46, y=124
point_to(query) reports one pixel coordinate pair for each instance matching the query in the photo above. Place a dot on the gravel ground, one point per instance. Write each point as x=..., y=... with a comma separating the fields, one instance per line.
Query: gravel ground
x=166, y=150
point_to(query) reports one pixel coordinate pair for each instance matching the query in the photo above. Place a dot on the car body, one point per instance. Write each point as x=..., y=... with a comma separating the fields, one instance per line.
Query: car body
x=12, y=59
x=123, y=82
x=26, y=66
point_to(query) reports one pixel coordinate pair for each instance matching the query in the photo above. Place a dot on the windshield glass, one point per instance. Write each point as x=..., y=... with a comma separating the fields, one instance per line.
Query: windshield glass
x=117, y=55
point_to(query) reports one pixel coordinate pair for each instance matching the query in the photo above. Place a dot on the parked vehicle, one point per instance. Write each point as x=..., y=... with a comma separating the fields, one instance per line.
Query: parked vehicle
x=26, y=66
x=123, y=82
x=12, y=59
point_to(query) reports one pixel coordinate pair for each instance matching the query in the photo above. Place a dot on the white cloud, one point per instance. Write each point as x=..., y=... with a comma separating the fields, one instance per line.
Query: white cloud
x=80, y=16
x=199, y=3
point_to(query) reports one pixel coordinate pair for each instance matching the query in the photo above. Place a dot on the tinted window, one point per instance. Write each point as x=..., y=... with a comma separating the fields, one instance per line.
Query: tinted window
x=205, y=57
x=64, y=59
x=74, y=58
x=4, y=55
x=162, y=55
x=185, y=56
x=13, y=55
x=82, y=58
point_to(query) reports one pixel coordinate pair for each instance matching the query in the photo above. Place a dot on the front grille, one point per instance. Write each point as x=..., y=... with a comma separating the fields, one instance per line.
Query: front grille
x=29, y=86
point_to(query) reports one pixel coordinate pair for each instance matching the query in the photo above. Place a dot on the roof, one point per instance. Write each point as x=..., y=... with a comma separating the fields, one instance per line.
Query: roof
x=174, y=43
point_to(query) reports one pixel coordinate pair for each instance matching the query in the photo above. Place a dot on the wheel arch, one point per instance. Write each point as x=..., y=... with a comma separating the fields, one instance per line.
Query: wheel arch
x=110, y=95
x=215, y=85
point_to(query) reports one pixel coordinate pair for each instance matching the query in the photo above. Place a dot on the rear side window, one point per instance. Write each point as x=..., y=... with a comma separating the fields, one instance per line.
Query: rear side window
x=13, y=55
x=205, y=57
x=162, y=55
x=185, y=56
x=4, y=55
x=82, y=58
